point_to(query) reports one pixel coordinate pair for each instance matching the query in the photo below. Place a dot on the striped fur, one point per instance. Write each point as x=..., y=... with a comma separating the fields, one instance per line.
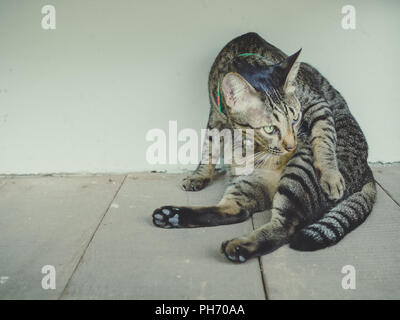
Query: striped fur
x=317, y=193
x=338, y=221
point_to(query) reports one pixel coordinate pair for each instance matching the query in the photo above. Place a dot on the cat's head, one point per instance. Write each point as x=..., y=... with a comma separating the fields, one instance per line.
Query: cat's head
x=264, y=100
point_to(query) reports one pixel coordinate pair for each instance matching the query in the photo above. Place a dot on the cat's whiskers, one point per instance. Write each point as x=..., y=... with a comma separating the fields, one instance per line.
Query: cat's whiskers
x=262, y=161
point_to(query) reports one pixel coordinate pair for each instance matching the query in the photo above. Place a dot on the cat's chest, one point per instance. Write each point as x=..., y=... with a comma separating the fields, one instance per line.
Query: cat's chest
x=271, y=173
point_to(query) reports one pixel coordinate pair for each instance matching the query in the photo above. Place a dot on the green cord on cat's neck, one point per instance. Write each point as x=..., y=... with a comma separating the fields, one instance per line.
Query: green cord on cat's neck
x=218, y=90
x=249, y=54
x=219, y=100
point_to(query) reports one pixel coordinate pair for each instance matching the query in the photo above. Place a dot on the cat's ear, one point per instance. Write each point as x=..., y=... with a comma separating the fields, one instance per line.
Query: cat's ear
x=289, y=68
x=236, y=90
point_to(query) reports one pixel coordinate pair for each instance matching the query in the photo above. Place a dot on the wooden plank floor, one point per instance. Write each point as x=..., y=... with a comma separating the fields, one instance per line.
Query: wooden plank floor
x=97, y=233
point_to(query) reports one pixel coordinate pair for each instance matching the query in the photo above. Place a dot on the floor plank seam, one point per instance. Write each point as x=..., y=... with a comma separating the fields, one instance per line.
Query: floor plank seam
x=264, y=284
x=91, y=238
x=388, y=193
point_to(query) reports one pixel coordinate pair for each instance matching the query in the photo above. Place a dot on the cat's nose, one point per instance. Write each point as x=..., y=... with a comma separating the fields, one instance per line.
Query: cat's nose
x=290, y=148
x=289, y=143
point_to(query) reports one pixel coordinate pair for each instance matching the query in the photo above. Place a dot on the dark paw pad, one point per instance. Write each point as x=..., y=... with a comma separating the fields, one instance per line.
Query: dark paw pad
x=234, y=251
x=166, y=217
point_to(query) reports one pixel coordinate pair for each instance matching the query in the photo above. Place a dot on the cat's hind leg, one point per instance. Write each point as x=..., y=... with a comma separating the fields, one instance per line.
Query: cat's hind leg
x=298, y=199
x=244, y=196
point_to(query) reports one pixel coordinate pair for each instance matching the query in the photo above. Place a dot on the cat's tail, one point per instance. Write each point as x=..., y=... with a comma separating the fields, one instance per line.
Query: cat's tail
x=339, y=221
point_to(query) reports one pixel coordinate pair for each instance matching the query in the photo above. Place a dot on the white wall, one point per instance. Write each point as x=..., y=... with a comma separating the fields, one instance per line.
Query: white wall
x=81, y=98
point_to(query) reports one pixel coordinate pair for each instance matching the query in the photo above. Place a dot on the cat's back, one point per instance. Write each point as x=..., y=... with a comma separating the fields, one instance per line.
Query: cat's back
x=247, y=43
x=311, y=85
x=250, y=42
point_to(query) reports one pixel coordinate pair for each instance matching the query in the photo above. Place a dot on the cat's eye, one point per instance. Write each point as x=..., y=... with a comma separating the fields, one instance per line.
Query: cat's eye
x=269, y=129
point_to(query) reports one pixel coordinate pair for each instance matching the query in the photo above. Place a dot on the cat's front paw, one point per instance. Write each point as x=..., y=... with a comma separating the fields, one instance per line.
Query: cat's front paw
x=238, y=249
x=332, y=183
x=195, y=183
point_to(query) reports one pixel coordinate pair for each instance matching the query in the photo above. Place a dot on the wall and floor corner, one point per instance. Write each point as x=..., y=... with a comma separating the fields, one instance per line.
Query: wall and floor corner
x=82, y=97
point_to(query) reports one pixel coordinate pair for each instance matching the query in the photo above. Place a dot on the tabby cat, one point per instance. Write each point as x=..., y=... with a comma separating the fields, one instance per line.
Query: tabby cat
x=313, y=175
